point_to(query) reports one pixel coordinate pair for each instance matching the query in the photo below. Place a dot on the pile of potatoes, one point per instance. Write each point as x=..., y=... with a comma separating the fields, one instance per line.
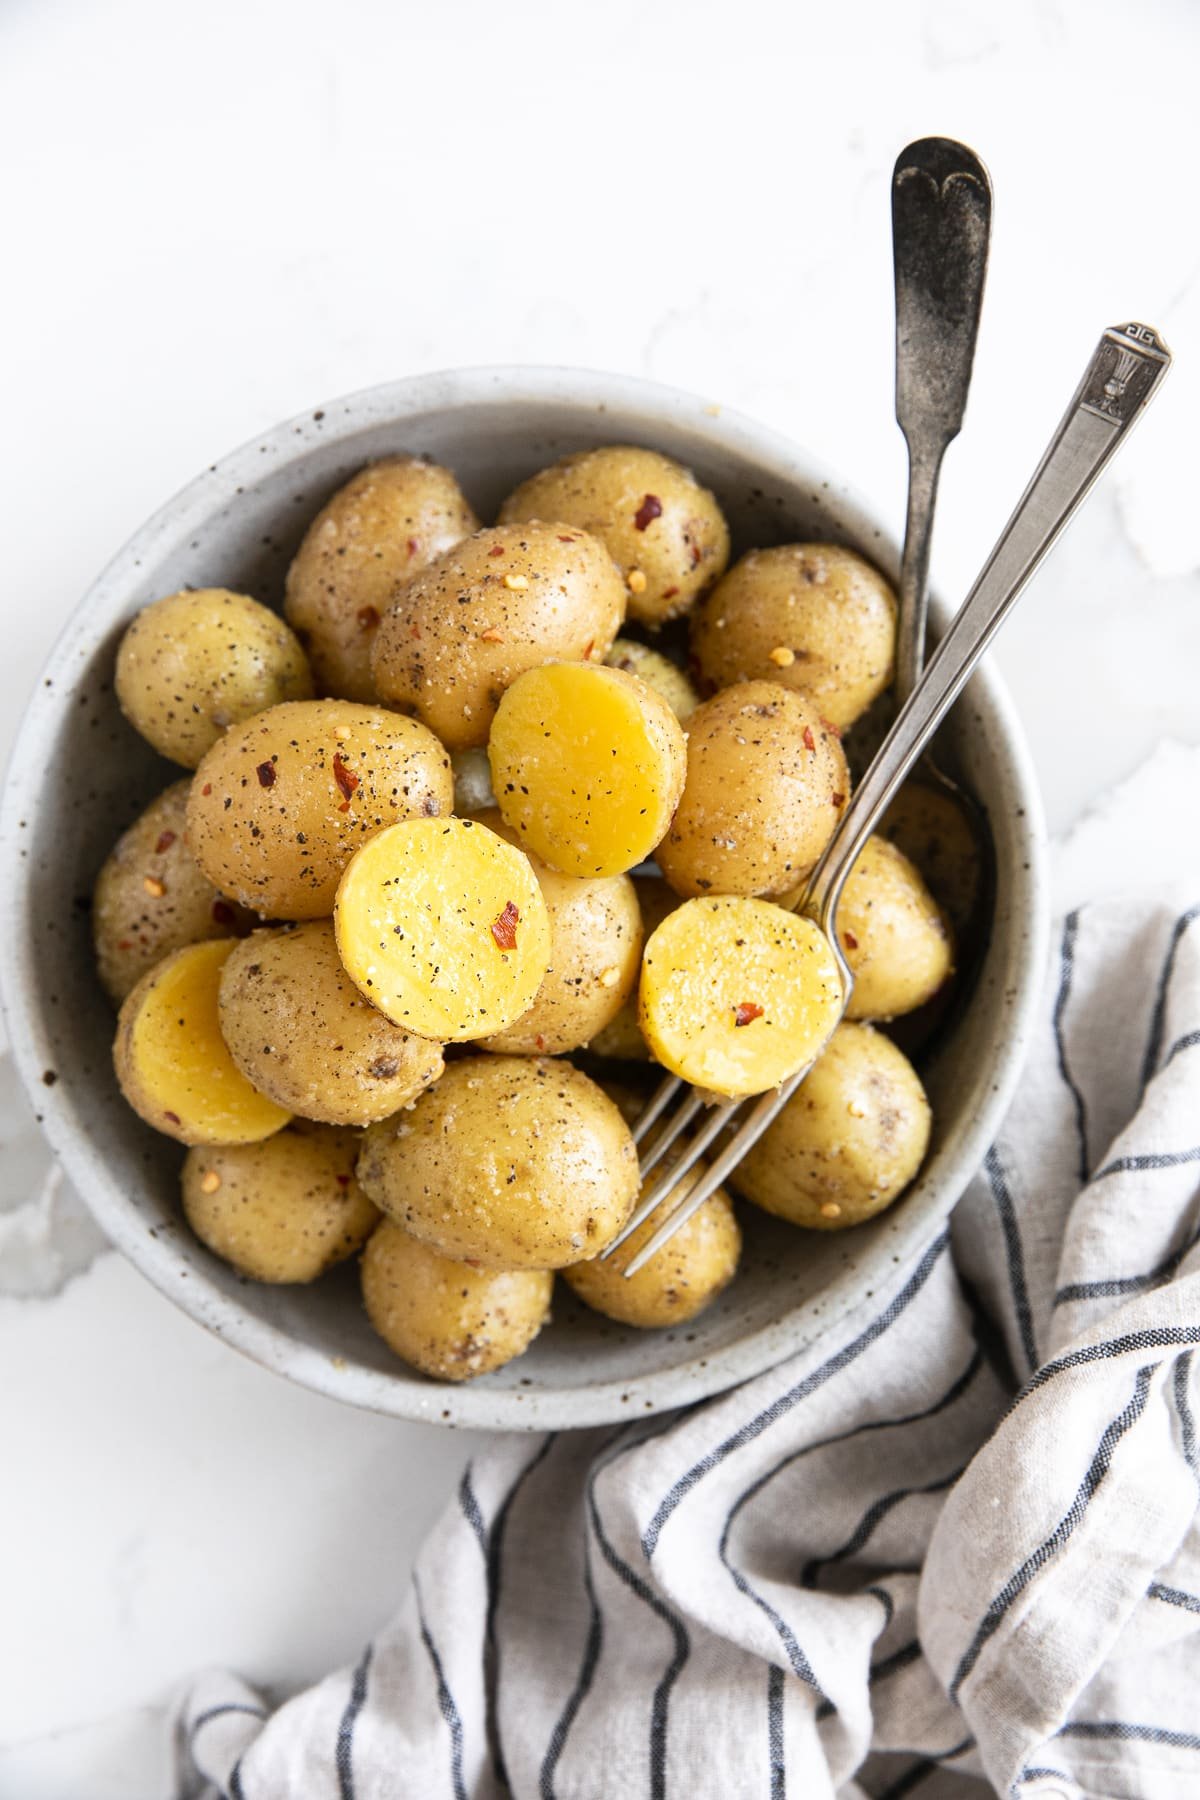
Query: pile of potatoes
x=451, y=820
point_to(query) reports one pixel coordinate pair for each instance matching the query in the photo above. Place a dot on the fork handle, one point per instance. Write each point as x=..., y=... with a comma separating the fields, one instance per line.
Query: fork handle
x=1128, y=364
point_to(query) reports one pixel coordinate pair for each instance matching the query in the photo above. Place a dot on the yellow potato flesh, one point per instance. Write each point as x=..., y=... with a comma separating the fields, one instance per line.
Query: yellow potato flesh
x=711, y=963
x=173, y=1064
x=423, y=917
x=588, y=765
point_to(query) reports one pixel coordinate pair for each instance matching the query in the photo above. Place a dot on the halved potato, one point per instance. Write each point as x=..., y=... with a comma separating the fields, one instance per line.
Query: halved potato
x=450, y=1319
x=737, y=994
x=849, y=1140
x=587, y=765
x=173, y=1065
x=516, y=1162
x=443, y=927
x=684, y=1277
x=283, y=1210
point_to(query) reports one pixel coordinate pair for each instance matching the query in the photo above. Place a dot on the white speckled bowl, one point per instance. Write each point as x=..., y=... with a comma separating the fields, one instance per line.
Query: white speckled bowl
x=79, y=774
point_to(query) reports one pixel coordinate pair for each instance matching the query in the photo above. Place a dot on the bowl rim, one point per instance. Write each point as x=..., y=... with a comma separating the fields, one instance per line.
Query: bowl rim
x=404, y=1393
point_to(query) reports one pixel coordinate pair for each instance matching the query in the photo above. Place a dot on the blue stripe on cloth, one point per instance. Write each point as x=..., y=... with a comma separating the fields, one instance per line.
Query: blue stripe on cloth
x=471, y=1512
x=1127, y=1732
x=874, y=1516
x=801, y=1667
x=1050, y=1546
x=1155, y=1159
x=1014, y=1253
x=1188, y=1041
x=1066, y=959
x=775, y=1732
x=1158, y=1337
x=217, y=1712
x=236, y=1790
x=344, y=1754
x=1183, y=1410
x=891, y=1665
x=781, y=1406
x=495, y=1569
x=1173, y=1596
x=593, y=1644
x=1158, y=1013
x=1128, y=1284
x=446, y=1701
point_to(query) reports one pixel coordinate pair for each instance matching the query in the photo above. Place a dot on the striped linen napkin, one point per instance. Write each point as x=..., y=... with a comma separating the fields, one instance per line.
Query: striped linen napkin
x=950, y=1549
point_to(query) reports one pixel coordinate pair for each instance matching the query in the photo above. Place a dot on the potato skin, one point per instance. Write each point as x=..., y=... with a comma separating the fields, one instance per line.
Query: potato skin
x=816, y=618
x=195, y=663
x=849, y=1140
x=298, y=1028
x=447, y=1318
x=658, y=672
x=280, y=1211
x=505, y=600
x=896, y=938
x=595, y=956
x=684, y=1277
x=622, y=1039
x=151, y=898
x=766, y=782
x=393, y=518
x=934, y=832
x=664, y=531
x=516, y=1162
x=279, y=806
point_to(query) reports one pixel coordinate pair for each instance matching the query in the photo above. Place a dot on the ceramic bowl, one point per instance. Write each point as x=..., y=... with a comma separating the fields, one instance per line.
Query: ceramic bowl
x=79, y=775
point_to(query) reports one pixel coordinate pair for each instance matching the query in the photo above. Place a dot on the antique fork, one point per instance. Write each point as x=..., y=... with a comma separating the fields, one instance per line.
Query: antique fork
x=1125, y=370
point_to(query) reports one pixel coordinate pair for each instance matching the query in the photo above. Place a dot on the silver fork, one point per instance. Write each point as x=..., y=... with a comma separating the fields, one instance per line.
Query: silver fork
x=1125, y=370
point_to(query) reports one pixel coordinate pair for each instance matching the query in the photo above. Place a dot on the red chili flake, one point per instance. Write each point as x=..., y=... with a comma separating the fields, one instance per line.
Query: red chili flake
x=835, y=731
x=540, y=1041
x=497, y=550
x=568, y=540
x=647, y=512
x=838, y=799
x=266, y=774
x=174, y=1118
x=125, y=944
x=747, y=1012
x=164, y=843
x=504, y=928
x=206, y=790
x=414, y=544
x=222, y=912
x=810, y=742
x=670, y=593
x=591, y=645
x=491, y=636
x=414, y=630
x=346, y=779
x=850, y=941
x=696, y=551
x=368, y=617
x=343, y=1181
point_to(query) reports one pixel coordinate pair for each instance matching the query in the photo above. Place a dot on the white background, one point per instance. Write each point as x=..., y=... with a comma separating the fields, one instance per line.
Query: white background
x=217, y=215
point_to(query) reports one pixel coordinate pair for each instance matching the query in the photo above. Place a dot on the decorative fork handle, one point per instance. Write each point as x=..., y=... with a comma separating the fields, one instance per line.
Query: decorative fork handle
x=1129, y=362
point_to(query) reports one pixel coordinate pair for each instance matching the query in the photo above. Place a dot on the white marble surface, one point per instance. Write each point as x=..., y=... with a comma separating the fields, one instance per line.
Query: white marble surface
x=225, y=214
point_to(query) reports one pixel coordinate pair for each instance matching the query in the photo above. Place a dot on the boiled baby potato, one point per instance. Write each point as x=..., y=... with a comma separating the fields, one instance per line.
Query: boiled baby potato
x=503, y=601
x=150, y=897
x=281, y=1211
x=665, y=532
x=816, y=618
x=447, y=1318
x=513, y=1162
x=622, y=1039
x=442, y=925
x=658, y=672
x=595, y=956
x=192, y=665
x=896, y=938
x=587, y=766
x=172, y=1062
x=394, y=517
x=849, y=1140
x=281, y=803
x=299, y=1029
x=737, y=994
x=934, y=831
x=766, y=782
x=681, y=1279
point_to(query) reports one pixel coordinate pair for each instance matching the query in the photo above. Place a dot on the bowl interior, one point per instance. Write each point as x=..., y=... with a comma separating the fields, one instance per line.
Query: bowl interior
x=79, y=775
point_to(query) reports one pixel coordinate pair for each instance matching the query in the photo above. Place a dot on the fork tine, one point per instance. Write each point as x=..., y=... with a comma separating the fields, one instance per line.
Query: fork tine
x=667, y=1088
x=671, y=1177
x=710, y=1181
x=674, y=1128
